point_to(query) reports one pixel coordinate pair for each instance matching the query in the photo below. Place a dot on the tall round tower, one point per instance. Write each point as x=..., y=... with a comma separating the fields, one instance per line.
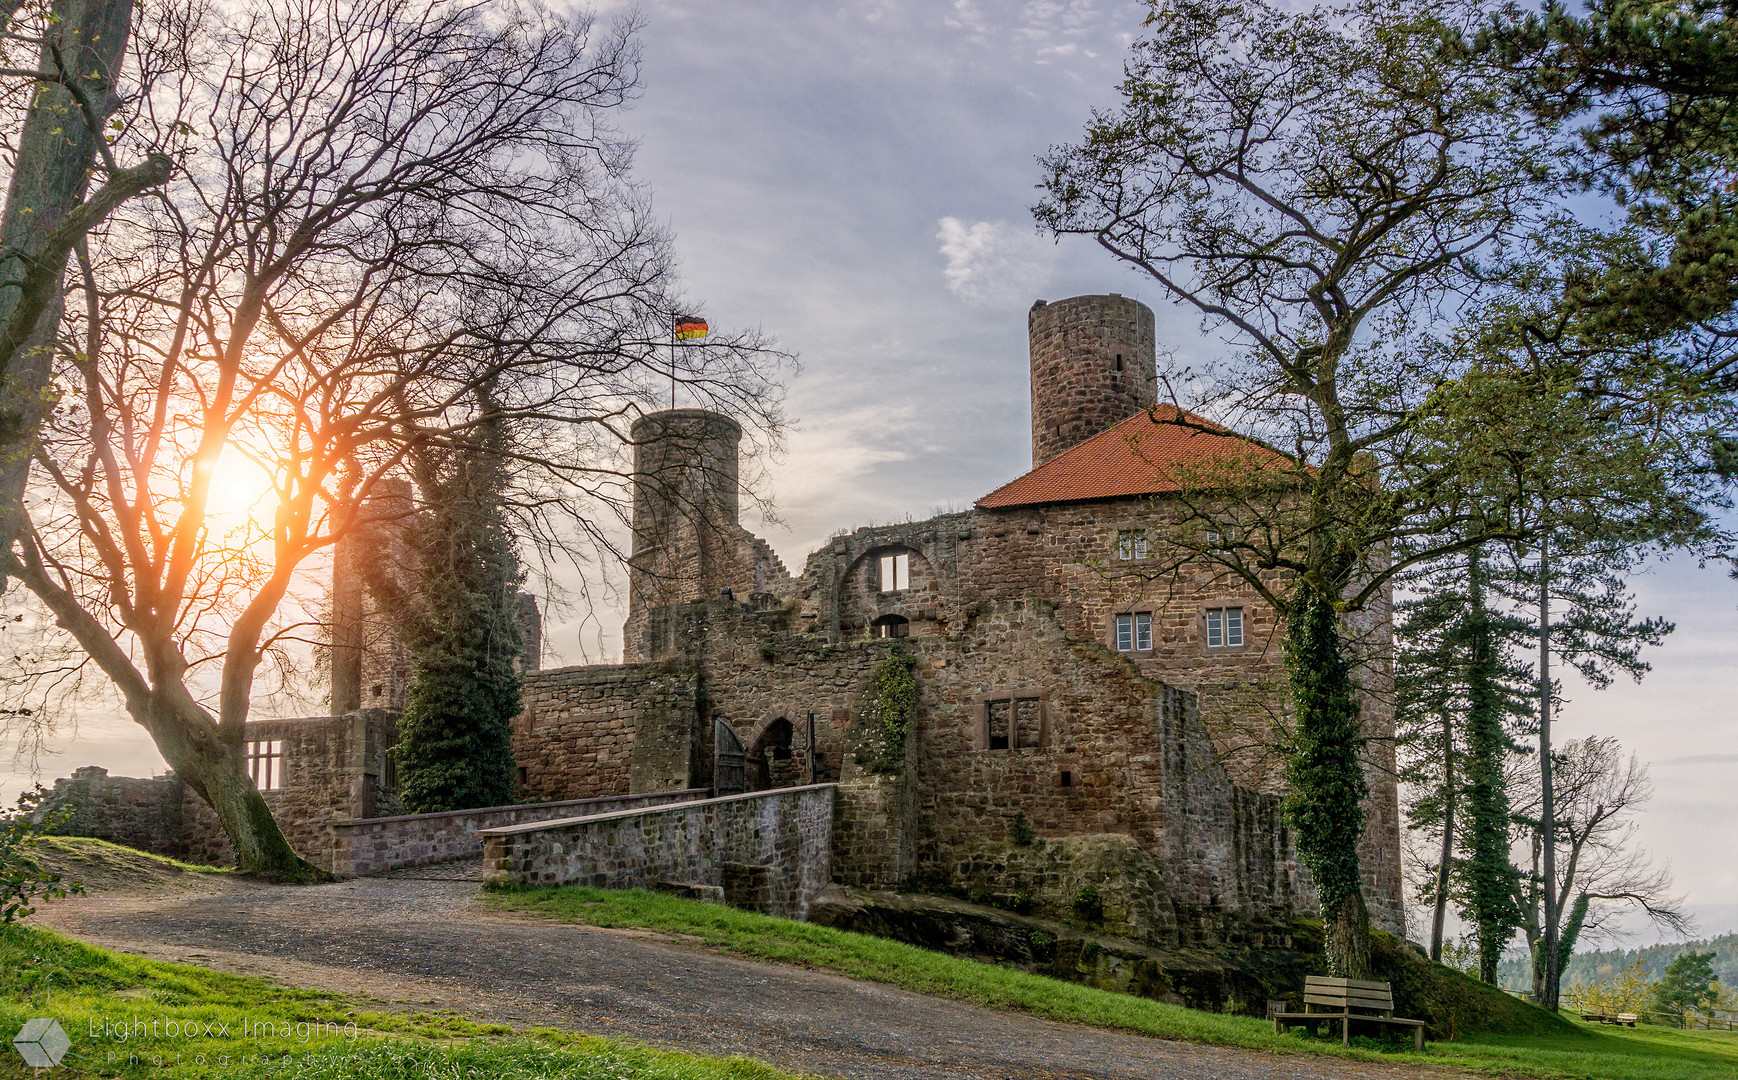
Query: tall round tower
x=1092, y=367
x=685, y=515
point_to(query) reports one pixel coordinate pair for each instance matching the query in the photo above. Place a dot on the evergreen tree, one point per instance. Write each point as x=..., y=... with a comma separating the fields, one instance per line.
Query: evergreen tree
x=1491, y=878
x=456, y=612
x=1462, y=698
x=1688, y=984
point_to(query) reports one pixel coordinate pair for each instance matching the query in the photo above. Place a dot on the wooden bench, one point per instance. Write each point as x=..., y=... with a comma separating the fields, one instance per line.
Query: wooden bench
x=1346, y=1000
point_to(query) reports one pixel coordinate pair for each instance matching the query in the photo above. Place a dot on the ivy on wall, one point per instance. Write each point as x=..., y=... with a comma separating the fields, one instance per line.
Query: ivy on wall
x=895, y=702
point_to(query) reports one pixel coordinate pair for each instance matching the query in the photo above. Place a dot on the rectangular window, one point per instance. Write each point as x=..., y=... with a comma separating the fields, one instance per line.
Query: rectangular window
x=895, y=573
x=265, y=764
x=1028, y=722
x=1001, y=719
x=1131, y=544
x=1134, y=632
x=1224, y=627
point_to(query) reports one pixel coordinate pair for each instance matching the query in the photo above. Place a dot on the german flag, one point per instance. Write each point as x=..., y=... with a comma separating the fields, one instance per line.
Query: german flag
x=689, y=327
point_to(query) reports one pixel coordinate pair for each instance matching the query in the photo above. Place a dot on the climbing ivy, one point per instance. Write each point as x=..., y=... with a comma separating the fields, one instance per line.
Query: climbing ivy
x=1326, y=804
x=895, y=701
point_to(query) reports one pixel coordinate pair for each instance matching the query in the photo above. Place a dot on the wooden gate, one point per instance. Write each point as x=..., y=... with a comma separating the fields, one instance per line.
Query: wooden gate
x=729, y=761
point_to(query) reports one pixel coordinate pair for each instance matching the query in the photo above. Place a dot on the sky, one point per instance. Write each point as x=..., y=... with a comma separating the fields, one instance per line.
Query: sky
x=856, y=181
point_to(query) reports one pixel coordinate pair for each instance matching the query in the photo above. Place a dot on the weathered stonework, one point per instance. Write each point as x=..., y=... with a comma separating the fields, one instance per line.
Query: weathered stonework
x=599, y=731
x=768, y=850
x=376, y=845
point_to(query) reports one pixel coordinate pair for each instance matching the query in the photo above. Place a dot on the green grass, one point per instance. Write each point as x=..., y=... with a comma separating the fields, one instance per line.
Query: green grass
x=1586, y=1051
x=88, y=849
x=307, y=1035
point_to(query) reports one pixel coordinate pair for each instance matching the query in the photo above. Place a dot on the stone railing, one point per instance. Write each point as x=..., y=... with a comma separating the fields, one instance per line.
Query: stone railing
x=364, y=846
x=769, y=850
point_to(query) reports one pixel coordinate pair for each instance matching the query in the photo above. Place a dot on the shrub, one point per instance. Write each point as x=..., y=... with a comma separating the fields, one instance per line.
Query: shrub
x=1019, y=832
x=22, y=879
x=1089, y=905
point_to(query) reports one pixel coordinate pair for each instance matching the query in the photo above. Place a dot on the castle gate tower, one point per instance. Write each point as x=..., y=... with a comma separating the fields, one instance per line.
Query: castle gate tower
x=1092, y=367
x=685, y=515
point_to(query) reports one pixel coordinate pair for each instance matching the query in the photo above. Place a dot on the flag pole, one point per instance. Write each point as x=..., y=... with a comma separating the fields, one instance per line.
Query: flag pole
x=672, y=361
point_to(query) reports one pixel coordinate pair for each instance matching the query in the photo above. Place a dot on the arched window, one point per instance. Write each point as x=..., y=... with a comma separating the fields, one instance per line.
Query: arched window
x=892, y=626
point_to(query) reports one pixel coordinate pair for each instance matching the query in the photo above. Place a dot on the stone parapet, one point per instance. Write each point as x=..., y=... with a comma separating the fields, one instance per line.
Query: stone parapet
x=706, y=842
x=376, y=845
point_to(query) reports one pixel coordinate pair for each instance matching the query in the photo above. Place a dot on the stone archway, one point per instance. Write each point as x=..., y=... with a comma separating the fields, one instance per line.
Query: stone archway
x=771, y=763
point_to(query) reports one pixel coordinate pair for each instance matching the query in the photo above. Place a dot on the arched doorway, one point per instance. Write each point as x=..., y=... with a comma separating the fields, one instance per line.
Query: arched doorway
x=770, y=757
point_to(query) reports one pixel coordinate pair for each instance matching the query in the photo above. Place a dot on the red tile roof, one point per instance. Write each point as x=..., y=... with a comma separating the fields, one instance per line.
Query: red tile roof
x=1140, y=456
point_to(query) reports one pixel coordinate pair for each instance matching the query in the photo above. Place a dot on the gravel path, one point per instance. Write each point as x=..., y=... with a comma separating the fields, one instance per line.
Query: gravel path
x=406, y=938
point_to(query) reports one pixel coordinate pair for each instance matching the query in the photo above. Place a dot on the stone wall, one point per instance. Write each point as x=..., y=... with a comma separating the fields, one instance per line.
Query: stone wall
x=334, y=769
x=139, y=813
x=721, y=842
x=592, y=732
x=1068, y=555
x=376, y=845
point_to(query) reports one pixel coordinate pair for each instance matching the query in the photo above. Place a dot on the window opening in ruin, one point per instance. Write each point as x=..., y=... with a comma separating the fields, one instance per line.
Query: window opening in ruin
x=524, y=776
x=265, y=764
x=1013, y=723
x=1067, y=778
x=1119, y=361
x=770, y=759
x=1131, y=544
x=1001, y=714
x=892, y=626
x=389, y=771
x=895, y=573
x=1028, y=724
x=1134, y=632
x=1224, y=627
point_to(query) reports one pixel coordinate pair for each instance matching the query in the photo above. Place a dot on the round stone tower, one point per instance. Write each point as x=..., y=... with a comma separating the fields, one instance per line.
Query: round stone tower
x=1092, y=367
x=685, y=516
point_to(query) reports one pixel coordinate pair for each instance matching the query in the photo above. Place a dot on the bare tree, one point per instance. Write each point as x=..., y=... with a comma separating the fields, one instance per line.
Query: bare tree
x=383, y=208
x=1600, y=872
x=66, y=100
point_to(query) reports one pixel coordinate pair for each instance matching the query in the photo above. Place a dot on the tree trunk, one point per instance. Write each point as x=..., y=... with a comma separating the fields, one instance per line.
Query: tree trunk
x=217, y=771
x=1326, y=774
x=1446, y=857
x=52, y=166
x=1547, y=807
x=1349, y=952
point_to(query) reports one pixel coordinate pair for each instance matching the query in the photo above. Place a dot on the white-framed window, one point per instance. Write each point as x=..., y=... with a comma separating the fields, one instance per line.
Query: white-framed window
x=1134, y=632
x=1215, y=538
x=1131, y=544
x=1224, y=627
x=265, y=764
x=895, y=573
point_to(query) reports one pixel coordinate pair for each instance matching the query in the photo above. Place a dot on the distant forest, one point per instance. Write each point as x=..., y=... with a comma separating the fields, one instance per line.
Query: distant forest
x=1602, y=965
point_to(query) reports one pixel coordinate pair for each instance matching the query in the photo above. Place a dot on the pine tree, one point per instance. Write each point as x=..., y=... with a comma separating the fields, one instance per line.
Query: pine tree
x=456, y=611
x=1490, y=877
x=1461, y=699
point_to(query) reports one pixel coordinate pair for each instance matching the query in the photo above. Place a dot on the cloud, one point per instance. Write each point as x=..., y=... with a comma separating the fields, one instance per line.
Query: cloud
x=1701, y=759
x=991, y=263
